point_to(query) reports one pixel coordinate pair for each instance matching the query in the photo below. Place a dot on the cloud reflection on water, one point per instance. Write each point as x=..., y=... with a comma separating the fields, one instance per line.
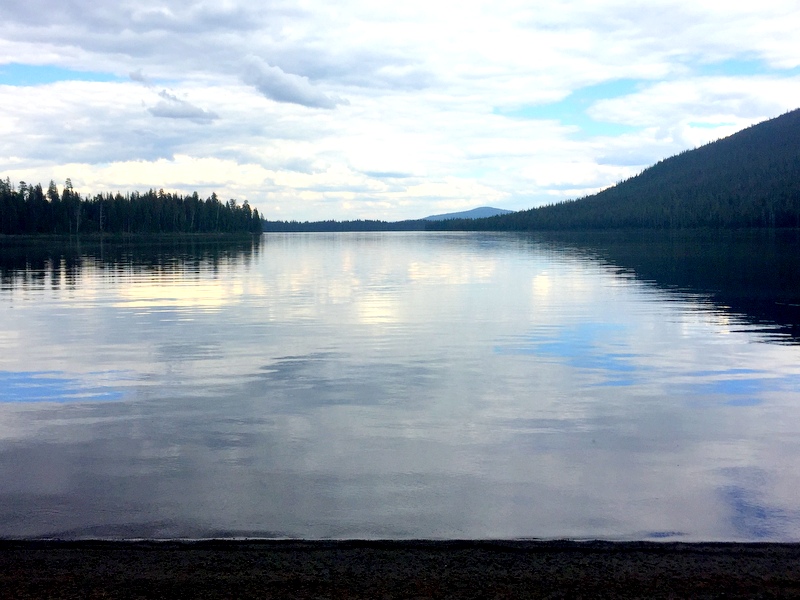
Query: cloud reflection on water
x=475, y=403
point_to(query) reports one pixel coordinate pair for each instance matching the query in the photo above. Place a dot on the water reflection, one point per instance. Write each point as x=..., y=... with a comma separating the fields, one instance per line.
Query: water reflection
x=33, y=263
x=388, y=385
x=753, y=276
x=57, y=387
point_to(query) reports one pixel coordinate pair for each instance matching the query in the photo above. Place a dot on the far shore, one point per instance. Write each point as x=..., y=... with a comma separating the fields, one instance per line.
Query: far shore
x=397, y=569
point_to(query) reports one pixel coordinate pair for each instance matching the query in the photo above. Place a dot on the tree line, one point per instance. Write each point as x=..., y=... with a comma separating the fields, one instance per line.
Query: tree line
x=29, y=209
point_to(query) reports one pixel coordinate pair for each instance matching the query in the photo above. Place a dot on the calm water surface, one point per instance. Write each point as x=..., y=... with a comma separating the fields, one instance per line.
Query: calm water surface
x=400, y=385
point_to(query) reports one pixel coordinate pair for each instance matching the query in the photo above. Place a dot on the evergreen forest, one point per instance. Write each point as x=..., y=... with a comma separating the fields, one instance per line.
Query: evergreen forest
x=31, y=210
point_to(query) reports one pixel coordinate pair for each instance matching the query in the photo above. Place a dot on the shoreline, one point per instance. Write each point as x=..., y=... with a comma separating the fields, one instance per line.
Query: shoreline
x=397, y=569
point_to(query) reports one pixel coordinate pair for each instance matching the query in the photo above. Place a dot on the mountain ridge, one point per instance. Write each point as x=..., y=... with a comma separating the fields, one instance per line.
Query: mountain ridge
x=476, y=213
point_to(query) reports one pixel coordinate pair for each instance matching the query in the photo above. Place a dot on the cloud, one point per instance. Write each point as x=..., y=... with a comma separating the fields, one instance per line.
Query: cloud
x=276, y=85
x=502, y=100
x=172, y=107
x=137, y=75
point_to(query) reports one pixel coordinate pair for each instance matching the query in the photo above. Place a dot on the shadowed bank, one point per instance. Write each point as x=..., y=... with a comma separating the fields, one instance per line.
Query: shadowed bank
x=393, y=569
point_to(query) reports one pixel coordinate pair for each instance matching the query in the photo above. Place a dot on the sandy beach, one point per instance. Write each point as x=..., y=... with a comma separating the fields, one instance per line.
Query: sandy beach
x=397, y=569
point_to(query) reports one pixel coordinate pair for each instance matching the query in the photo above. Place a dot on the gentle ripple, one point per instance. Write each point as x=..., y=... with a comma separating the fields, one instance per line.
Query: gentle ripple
x=396, y=385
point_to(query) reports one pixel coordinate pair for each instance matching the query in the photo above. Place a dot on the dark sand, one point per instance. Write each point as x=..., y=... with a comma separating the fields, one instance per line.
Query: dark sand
x=403, y=569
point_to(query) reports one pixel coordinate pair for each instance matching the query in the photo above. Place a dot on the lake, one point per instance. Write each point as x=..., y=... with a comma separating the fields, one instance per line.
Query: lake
x=402, y=385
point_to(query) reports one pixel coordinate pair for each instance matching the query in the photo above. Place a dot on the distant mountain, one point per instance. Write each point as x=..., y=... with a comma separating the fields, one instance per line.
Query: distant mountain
x=750, y=179
x=475, y=213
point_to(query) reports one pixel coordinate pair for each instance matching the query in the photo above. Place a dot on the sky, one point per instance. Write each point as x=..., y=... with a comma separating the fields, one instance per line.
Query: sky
x=315, y=110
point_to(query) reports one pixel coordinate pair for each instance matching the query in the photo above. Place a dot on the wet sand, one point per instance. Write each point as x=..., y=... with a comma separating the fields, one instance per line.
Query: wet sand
x=397, y=569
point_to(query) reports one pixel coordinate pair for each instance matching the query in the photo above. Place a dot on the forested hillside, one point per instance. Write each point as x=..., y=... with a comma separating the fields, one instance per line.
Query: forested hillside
x=29, y=210
x=750, y=179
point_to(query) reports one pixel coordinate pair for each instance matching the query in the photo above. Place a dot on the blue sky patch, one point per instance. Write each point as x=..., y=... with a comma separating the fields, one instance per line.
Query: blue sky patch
x=700, y=125
x=571, y=111
x=28, y=75
x=740, y=68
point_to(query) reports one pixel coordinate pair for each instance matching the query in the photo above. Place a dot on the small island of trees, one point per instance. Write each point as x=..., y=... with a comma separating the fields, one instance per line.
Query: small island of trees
x=30, y=210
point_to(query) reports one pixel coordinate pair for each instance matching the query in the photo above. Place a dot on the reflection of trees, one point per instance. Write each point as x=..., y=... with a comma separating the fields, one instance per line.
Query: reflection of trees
x=753, y=274
x=35, y=264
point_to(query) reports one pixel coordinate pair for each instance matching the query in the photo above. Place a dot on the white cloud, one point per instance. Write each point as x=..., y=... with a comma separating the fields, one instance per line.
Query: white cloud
x=273, y=83
x=137, y=75
x=172, y=107
x=411, y=94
